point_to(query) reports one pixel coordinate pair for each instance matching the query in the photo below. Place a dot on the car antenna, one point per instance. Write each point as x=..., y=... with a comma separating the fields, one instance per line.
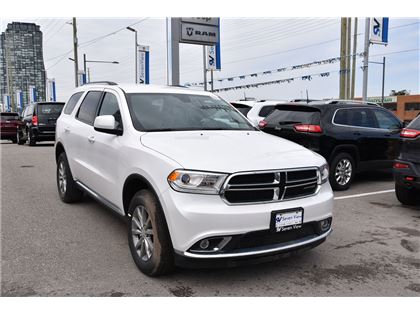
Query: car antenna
x=307, y=96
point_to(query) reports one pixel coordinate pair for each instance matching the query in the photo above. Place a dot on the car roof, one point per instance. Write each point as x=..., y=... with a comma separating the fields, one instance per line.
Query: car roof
x=142, y=88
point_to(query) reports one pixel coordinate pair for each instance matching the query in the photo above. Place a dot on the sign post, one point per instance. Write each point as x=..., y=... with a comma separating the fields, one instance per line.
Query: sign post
x=144, y=64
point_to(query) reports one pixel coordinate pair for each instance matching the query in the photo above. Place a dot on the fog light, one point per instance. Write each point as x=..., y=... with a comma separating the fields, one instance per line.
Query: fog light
x=204, y=244
x=325, y=224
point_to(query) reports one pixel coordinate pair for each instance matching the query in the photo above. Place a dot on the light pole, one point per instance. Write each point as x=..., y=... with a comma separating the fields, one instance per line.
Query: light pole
x=93, y=61
x=135, y=51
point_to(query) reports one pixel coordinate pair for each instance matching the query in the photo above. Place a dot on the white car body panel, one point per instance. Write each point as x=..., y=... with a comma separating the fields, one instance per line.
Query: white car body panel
x=104, y=165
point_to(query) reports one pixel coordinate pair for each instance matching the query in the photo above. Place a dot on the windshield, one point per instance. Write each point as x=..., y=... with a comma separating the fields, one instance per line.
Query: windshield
x=5, y=117
x=50, y=109
x=176, y=112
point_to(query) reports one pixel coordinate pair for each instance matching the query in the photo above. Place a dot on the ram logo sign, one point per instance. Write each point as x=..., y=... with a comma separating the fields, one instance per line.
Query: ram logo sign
x=199, y=34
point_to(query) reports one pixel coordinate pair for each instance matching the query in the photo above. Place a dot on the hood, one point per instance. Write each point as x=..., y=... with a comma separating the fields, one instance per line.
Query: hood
x=230, y=151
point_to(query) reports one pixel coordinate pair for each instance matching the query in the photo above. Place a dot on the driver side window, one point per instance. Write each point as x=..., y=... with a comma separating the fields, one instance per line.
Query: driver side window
x=109, y=106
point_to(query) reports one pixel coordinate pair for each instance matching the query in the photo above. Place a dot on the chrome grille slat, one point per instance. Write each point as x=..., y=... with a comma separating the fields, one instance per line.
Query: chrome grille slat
x=303, y=184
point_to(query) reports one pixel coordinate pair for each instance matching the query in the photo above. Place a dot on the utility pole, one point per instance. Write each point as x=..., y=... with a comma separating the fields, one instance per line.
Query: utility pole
x=383, y=80
x=76, y=61
x=366, y=59
x=348, y=58
x=353, y=69
x=342, y=57
x=173, y=30
x=212, y=80
x=204, y=68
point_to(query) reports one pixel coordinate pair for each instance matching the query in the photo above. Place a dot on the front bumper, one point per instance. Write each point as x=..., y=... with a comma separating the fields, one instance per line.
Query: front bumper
x=194, y=217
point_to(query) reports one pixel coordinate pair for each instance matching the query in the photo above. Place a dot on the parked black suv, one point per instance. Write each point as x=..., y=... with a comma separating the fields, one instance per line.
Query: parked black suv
x=38, y=122
x=351, y=136
x=407, y=165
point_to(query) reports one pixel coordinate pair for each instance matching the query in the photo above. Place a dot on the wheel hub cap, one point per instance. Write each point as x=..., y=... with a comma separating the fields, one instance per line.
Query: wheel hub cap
x=142, y=233
x=343, y=172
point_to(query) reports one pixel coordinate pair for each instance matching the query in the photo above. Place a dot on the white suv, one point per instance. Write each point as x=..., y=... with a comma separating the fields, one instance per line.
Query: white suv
x=196, y=182
x=256, y=111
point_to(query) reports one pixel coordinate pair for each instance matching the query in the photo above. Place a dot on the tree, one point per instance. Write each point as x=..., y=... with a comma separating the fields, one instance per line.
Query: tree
x=401, y=92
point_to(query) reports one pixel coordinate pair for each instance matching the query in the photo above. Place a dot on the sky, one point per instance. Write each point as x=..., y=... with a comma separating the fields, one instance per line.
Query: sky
x=248, y=45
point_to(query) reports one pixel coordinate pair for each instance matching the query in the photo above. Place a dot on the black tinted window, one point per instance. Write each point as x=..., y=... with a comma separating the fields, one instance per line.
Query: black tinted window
x=72, y=102
x=284, y=117
x=109, y=106
x=87, y=110
x=50, y=109
x=386, y=120
x=415, y=124
x=9, y=116
x=359, y=117
x=266, y=110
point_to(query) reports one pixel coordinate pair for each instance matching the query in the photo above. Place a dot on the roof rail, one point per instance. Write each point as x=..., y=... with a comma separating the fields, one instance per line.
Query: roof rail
x=336, y=101
x=102, y=82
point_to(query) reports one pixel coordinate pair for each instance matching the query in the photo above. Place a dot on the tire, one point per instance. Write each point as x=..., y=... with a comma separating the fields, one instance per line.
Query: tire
x=342, y=171
x=407, y=195
x=157, y=259
x=31, y=139
x=19, y=138
x=67, y=187
x=14, y=140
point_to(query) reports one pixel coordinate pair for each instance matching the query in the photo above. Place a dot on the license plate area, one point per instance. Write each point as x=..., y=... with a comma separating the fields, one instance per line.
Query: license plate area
x=286, y=220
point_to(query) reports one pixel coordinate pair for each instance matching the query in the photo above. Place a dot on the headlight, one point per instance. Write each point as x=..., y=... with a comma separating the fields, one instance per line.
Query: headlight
x=323, y=174
x=196, y=182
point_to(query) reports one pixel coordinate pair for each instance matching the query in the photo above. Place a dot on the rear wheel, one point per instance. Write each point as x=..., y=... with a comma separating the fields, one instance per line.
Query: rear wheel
x=19, y=138
x=148, y=235
x=407, y=195
x=342, y=171
x=67, y=187
x=31, y=138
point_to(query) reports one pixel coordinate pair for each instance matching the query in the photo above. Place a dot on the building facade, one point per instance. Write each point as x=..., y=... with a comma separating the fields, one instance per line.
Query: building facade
x=22, y=63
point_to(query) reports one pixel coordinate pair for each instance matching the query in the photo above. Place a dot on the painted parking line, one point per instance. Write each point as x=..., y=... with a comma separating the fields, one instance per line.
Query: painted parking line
x=365, y=194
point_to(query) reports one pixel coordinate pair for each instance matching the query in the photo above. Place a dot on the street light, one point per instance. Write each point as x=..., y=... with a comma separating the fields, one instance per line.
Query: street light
x=135, y=50
x=94, y=61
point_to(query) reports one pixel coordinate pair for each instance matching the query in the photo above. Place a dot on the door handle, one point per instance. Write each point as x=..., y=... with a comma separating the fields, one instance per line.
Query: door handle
x=91, y=139
x=67, y=130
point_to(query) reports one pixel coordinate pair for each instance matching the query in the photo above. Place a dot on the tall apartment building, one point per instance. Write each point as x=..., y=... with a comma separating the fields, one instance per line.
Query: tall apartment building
x=21, y=62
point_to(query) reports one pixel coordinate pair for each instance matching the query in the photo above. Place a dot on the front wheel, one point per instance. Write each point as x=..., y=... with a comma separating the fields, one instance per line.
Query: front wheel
x=407, y=195
x=342, y=171
x=148, y=235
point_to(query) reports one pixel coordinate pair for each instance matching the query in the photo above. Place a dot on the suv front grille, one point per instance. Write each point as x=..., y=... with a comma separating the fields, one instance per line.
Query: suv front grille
x=270, y=186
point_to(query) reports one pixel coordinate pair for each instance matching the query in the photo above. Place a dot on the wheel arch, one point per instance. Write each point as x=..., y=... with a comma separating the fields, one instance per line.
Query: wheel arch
x=346, y=148
x=59, y=148
x=132, y=185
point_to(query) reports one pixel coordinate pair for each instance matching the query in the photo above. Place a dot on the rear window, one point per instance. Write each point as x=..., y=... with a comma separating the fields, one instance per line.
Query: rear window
x=244, y=109
x=266, y=110
x=9, y=116
x=415, y=124
x=72, y=103
x=50, y=109
x=284, y=117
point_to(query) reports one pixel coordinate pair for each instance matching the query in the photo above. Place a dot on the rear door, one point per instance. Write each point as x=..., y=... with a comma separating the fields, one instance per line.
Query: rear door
x=47, y=116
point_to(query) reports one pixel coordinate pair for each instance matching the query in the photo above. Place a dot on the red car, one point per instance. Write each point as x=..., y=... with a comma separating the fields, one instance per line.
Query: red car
x=8, y=126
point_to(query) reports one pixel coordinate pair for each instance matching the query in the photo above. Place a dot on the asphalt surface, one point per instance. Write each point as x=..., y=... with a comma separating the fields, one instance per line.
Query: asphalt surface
x=49, y=248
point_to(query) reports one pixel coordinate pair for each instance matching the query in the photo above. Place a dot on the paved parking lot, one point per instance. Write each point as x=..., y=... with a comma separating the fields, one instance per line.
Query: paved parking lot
x=49, y=248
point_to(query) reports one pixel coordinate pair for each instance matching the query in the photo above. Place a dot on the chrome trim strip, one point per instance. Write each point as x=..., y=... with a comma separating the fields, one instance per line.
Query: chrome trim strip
x=99, y=198
x=257, y=252
x=303, y=184
x=352, y=126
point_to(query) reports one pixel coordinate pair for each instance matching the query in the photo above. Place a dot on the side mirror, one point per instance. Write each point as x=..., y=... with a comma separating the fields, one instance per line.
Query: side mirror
x=106, y=124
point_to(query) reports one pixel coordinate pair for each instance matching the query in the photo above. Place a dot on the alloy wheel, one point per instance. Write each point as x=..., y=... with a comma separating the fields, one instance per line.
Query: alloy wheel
x=62, y=178
x=142, y=233
x=343, y=172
